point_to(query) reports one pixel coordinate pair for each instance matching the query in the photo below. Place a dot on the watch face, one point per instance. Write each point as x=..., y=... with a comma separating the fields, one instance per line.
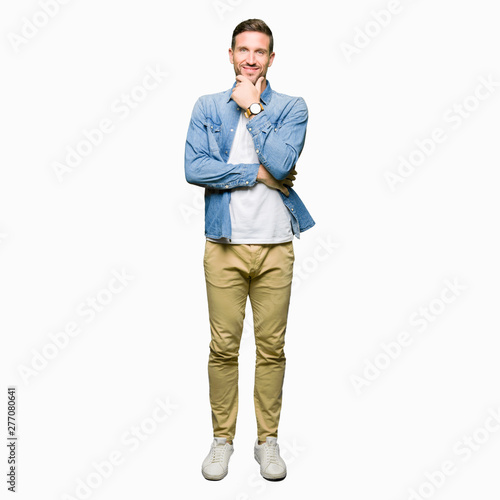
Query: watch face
x=255, y=108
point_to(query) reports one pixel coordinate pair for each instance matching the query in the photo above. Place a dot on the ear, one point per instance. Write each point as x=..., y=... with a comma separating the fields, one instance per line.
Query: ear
x=231, y=56
x=271, y=59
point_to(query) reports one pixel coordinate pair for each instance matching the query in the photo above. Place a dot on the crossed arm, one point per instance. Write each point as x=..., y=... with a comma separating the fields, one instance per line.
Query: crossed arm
x=278, y=151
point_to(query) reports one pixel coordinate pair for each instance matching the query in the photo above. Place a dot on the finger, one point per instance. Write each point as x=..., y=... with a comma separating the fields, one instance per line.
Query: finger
x=285, y=191
x=259, y=83
x=288, y=182
x=241, y=78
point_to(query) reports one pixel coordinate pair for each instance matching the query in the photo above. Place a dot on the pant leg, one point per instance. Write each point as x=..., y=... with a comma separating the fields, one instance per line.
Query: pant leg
x=227, y=284
x=270, y=291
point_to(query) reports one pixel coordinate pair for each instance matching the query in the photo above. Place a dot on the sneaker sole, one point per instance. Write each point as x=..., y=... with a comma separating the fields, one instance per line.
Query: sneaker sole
x=269, y=477
x=214, y=478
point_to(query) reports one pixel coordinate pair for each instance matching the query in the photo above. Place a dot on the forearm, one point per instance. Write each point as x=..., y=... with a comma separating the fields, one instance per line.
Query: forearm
x=203, y=164
x=277, y=157
x=279, y=148
x=210, y=173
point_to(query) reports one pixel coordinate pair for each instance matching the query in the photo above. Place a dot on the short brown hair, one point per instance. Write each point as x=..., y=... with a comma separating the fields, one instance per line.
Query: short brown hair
x=253, y=25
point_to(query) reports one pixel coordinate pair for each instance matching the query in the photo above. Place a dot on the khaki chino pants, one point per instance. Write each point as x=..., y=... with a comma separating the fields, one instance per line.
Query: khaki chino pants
x=232, y=273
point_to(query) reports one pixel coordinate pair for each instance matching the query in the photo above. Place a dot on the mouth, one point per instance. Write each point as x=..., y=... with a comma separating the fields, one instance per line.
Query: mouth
x=250, y=69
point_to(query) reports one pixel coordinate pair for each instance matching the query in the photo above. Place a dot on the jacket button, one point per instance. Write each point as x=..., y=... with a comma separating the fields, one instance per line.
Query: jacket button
x=227, y=186
x=250, y=128
x=257, y=151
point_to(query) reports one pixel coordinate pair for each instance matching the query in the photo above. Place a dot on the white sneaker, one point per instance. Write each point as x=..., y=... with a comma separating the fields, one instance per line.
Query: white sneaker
x=214, y=467
x=267, y=454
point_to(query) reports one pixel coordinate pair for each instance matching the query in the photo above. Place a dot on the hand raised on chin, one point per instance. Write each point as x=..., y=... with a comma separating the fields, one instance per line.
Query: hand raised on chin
x=245, y=92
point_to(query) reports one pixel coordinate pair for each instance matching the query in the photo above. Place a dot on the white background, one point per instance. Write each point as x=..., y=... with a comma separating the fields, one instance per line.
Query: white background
x=375, y=257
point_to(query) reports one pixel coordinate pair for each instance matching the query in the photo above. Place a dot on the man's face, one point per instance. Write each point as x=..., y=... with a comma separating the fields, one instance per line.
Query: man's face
x=251, y=56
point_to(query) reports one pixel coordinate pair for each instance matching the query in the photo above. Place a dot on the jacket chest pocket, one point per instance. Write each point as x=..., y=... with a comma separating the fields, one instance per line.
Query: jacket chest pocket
x=214, y=134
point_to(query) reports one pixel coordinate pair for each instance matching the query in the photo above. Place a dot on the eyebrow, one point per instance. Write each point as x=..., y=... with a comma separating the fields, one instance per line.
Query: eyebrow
x=239, y=47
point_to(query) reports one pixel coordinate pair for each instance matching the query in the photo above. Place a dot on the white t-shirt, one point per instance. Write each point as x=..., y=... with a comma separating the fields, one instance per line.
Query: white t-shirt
x=258, y=214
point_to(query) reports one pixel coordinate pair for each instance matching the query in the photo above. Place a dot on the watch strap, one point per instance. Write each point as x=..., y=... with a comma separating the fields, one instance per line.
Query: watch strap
x=248, y=113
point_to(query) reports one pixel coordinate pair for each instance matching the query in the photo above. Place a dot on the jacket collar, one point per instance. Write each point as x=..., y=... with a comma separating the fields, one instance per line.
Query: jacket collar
x=265, y=97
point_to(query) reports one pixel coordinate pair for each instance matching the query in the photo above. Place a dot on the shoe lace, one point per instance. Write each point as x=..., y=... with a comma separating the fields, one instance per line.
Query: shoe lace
x=272, y=453
x=218, y=453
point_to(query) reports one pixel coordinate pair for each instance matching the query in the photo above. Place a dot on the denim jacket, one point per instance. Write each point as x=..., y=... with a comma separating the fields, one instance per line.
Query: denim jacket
x=278, y=134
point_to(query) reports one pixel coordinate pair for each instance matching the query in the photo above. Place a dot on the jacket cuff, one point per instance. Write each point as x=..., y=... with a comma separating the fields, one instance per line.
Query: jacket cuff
x=259, y=124
x=251, y=171
x=248, y=177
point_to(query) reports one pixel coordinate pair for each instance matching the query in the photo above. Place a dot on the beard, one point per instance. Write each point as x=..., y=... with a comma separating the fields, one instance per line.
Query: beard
x=253, y=76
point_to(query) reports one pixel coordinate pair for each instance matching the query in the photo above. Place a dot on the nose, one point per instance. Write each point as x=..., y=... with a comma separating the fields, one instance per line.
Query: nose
x=251, y=58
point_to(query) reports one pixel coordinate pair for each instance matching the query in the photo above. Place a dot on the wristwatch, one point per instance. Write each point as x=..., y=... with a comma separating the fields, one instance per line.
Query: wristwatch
x=254, y=109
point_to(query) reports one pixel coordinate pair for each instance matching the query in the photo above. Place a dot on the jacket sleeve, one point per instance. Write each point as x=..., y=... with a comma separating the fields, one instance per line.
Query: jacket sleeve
x=203, y=164
x=279, y=148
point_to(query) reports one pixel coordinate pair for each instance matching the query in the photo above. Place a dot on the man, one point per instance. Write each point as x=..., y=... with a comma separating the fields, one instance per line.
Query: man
x=242, y=146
